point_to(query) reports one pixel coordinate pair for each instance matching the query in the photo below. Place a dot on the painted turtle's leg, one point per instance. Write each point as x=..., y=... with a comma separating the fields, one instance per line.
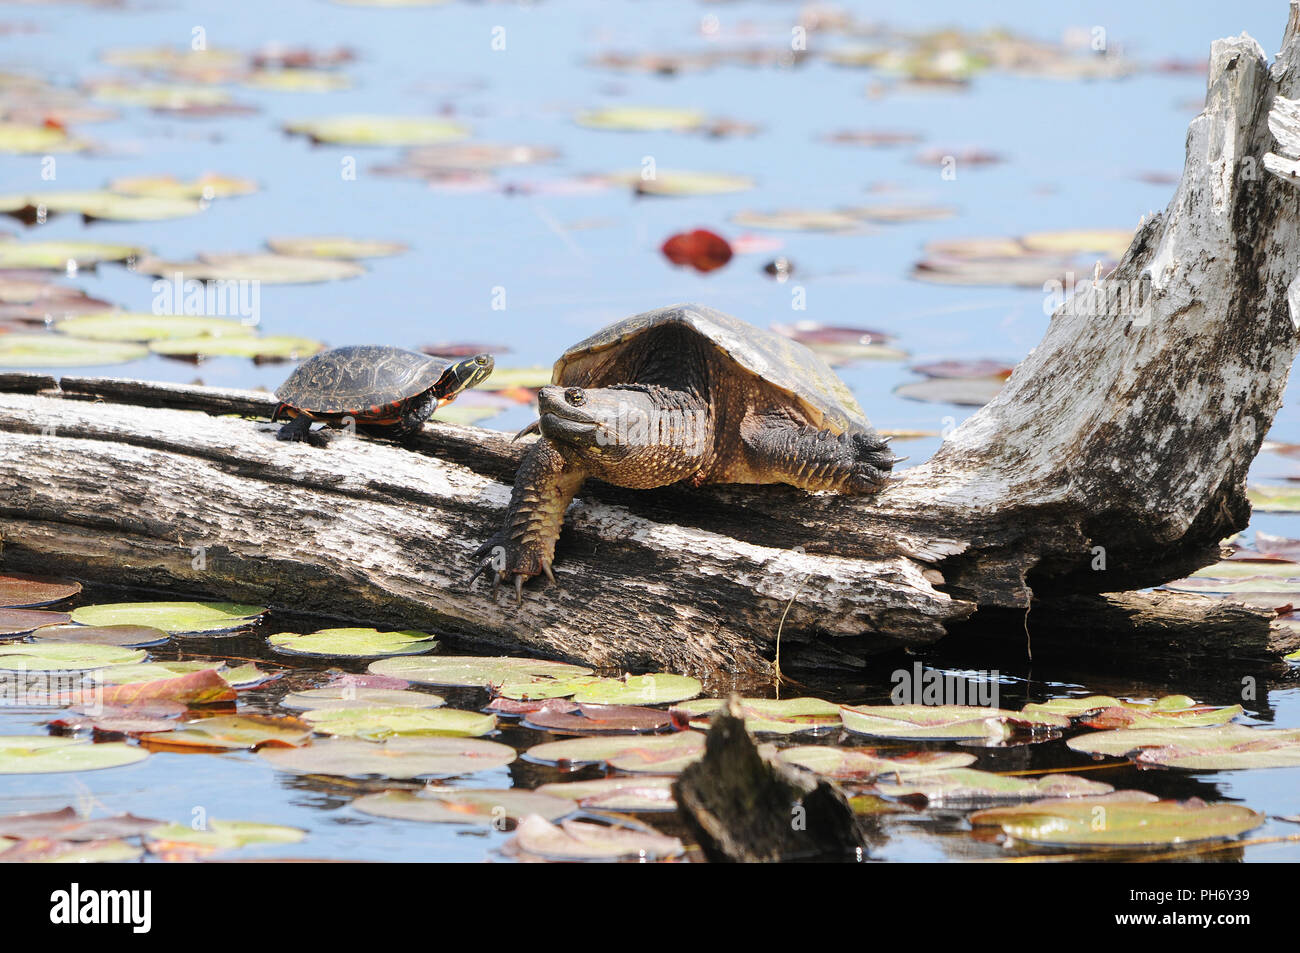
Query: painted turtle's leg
x=525, y=545
x=413, y=417
x=299, y=429
x=811, y=459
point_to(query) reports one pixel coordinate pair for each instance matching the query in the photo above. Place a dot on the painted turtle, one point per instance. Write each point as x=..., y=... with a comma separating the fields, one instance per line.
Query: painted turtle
x=373, y=386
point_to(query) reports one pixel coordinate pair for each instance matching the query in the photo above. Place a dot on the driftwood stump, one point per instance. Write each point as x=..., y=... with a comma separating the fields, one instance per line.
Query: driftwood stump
x=1127, y=433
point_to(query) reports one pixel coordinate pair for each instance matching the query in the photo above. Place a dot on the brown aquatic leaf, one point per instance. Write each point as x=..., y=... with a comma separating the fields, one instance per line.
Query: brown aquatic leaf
x=23, y=591
x=126, y=636
x=204, y=687
x=68, y=825
x=511, y=706
x=965, y=368
x=600, y=719
x=23, y=621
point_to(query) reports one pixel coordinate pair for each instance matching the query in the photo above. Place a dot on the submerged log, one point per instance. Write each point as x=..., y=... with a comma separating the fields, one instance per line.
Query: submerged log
x=1114, y=459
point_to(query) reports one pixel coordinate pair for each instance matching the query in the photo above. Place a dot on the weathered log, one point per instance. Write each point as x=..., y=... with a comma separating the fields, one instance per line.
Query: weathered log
x=1122, y=441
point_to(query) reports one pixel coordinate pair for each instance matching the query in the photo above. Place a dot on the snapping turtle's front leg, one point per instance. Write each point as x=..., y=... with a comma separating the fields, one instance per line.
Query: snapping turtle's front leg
x=525, y=544
x=811, y=459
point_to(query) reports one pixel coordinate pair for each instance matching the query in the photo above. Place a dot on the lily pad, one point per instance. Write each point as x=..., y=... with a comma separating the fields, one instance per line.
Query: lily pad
x=1122, y=819
x=473, y=671
x=22, y=138
x=205, y=686
x=231, y=733
x=394, y=758
x=601, y=719
x=636, y=795
x=1220, y=748
x=798, y=220
x=1172, y=711
x=58, y=350
x=207, y=186
x=26, y=621
x=639, y=754
x=266, y=267
x=964, y=785
x=58, y=255
x=359, y=696
x=770, y=716
x=950, y=722
x=143, y=326
x=221, y=835
x=359, y=130
x=352, y=643
x=47, y=851
x=380, y=723
x=297, y=80
x=1112, y=243
x=69, y=825
x=47, y=754
x=864, y=764
x=508, y=378
x=480, y=806
x=641, y=119
x=682, y=183
x=962, y=391
x=657, y=689
x=178, y=618
x=126, y=636
x=270, y=348
x=100, y=204
x=583, y=840
x=64, y=656
x=21, y=591
x=334, y=246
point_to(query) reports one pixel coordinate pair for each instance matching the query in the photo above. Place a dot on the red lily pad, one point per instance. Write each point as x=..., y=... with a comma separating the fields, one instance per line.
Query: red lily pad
x=25, y=621
x=21, y=591
x=701, y=249
x=600, y=719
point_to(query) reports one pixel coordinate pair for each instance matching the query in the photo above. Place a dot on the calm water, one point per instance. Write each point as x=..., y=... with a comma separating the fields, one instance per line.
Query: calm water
x=569, y=264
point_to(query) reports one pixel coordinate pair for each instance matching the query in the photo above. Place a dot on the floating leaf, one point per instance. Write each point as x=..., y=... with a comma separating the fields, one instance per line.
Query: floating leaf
x=864, y=764
x=203, y=687
x=221, y=835
x=21, y=591
x=380, y=723
x=1122, y=819
x=58, y=350
x=266, y=267
x=232, y=733
x=773, y=716
x=657, y=689
x=47, y=851
x=962, y=391
x=47, y=754
x=333, y=246
x=964, y=368
x=179, y=618
x=582, y=840
x=29, y=139
x=632, y=795
x=1220, y=748
x=1172, y=711
x=359, y=130
x=100, y=204
x=1265, y=499
x=666, y=182
x=297, y=81
x=271, y=348
x=395, y=758
x=600, y=719
x=456, y=806
x=641, y=119
x=64, y=656
x=143, y=326
x=207, y=186
x=798, y=220
x=357, y=696
x=896, y=214
x=126, y=636
x=701, y=249
x=508, y=378
x=944, y=721
x=352, y=643
x=153, y=671
x=473, y=671
x=964, y=785
x=658, y=754
x=68, y=825
x=1112, y=243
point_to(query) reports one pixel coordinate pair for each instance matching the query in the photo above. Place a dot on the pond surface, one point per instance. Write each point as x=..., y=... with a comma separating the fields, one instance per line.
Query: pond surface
x=534, y=258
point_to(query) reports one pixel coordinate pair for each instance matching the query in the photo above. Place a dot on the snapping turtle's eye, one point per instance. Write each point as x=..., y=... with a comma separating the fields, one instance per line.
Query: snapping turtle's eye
x=575, y=396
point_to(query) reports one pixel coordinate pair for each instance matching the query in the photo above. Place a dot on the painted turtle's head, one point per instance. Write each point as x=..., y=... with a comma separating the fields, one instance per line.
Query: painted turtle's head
x=465, y=374
x=631, y=434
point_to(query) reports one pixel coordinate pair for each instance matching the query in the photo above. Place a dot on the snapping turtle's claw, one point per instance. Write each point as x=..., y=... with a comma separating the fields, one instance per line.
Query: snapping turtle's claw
x=546, y=568
x=519, y=590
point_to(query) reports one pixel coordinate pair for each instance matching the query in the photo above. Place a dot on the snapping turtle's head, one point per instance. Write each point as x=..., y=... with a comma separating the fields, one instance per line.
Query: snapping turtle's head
x=631, y=435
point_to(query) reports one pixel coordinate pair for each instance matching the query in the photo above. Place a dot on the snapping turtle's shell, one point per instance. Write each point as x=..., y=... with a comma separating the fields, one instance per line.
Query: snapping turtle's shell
x=788, y=369
x=351, y=380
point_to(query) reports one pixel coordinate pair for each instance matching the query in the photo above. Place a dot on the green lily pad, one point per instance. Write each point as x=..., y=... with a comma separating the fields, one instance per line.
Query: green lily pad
x=635, y=795
x=1122, y=819
x=58, y=255
x=864, y=764
x=207, y=186
x=232, y=733
x=583, y=840
x=1220, y=748
x=153, y=671
x=472, y=671
x=962, y=391
x=21, y=591
x=1249, y=569
x=772, y=716
x=601, y=719
x=1265, y=499
x=358, y=130
x=1171, y=711
x=461, y=806
x=641, y=119
x=223, y=835
x=681, y=183
x=126, y=636
x=266, y=267
x=64, y=656
x=178, y=618
x=143, y=326
x=43, y=851
x=965, y=785
x=944, y=721
x=57, y=350
x=352, y=643
x=356, y=696
x=26, y=621
x=101, y=204
x=508, y=378
x=640, y=754
x=334, y=246
x=28, y=139
x=655, y=689
x=395, y=758
x=271, y=348
x=798, y=220
x=48, y=754
x=297, y=80
x=380, y=723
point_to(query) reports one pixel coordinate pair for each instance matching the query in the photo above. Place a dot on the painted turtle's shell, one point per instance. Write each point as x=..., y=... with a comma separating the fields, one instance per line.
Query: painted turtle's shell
x=351, y=380
x=789, y=370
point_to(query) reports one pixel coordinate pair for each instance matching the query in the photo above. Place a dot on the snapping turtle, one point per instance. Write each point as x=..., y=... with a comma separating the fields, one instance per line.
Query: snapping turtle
x=374, y=386
x=682, y=393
